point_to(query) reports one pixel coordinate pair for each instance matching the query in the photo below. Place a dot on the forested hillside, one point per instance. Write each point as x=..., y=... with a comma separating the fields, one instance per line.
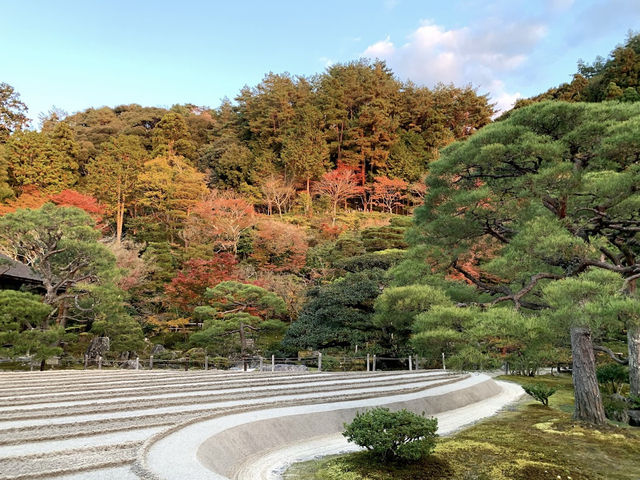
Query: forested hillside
x=347, y=213
x=186, y=209
x=611, y=78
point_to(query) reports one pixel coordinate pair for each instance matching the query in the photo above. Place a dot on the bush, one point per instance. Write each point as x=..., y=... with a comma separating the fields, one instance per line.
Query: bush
x=400, y=435
x=540, y=392
x=612, y=375
x=615, y=408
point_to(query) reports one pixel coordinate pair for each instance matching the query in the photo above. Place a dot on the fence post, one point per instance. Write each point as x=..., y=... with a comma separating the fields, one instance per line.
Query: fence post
x=444, y=367
x=273, y=363
x=261, y=362
x=137, y=363
x=374, y=363
x=417, y=363
x=410, y=364
x=320, y=361
x=99, y=362
x=150, y=362
x=368, y=362
x=86, y=361
x=186, y=364
x=206, y=362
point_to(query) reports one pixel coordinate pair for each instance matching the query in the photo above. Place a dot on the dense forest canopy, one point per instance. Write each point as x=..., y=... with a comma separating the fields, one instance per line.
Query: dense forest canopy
x=279, y=223
x=611, y=78
x=181, y=199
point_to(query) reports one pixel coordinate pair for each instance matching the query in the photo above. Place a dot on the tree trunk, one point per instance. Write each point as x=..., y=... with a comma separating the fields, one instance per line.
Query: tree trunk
x=119, y=212
x=119, y=223
x=633, y=340
x=588, y=401
x=243, y=343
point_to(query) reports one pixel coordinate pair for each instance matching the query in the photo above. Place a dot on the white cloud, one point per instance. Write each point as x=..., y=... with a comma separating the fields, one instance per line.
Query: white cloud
x=382, y=49
x=479, y=54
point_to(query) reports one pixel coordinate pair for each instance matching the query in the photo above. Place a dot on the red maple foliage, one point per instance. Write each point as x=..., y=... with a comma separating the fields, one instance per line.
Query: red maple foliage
x=72, y=198
x=279, y=247
x=33, y=198
x=388, y=193
x=222, y=219
x=339, y=185
x=187, y=288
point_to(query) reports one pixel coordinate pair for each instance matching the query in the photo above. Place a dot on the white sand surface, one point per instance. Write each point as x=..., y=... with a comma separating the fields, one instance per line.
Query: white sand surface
x=174, y=456
x=140, y=410
x=271, y=466
x=53, y=446
x=212, y=389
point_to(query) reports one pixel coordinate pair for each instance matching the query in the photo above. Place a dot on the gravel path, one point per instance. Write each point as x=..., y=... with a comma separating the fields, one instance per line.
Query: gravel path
x=178, y=454
x=90, y=425
x=272, y=464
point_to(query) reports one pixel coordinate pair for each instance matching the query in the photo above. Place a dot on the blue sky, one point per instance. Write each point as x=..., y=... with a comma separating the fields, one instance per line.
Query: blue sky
x=77, y=54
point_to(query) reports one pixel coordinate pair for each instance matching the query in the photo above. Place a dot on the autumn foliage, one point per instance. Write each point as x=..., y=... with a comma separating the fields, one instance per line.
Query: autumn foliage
x=279, y=247
x=388, y=193
x=33, y=198
x=187, y=288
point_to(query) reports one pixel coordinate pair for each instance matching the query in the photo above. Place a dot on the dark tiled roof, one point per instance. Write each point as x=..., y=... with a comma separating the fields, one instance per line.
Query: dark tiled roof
x=17, y=270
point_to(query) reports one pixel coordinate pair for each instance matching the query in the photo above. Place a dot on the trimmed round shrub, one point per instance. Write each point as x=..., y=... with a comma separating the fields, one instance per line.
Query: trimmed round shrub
x=389, y=436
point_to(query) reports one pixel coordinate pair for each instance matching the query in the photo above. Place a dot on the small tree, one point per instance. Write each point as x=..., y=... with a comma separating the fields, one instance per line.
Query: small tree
x=277, y=191
x=221, y=219
x=339, y=185
x=388, y=193
x=540, y=392
x=238, y=308
x=401, y=435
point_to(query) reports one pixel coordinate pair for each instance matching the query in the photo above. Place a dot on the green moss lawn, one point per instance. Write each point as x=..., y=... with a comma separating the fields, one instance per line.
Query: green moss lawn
x=529, y=442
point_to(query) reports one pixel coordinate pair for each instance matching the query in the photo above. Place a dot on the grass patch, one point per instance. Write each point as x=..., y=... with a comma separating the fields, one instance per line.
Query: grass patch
x=532, y=442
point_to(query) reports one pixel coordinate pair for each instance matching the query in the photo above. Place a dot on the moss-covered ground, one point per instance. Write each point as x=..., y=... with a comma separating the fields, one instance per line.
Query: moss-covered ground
x=528, y=442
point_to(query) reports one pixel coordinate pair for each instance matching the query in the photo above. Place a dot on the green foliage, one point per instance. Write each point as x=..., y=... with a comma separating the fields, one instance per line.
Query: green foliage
x=384, y=238
x=613, y=78
x=586, y=300
x=24, y=328
x=13, y=112
x=382, y=260
x=61, y=245
x=540, y=392
x=338, y=314
x=397, y=307
x=125, y=334
x=612, y=376
x=245, y=310
x=472, y=339
x=39, y=160
x=171, y=137
x=390, y=436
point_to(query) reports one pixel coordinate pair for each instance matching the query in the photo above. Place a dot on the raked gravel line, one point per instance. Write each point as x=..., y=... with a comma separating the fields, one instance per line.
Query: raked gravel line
x=80, y=428
x=124, y=413
x=272, y=464
x=108, y=389
x=101, y=444
x=105, y=381
x=173, y=455
x=24, y=410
